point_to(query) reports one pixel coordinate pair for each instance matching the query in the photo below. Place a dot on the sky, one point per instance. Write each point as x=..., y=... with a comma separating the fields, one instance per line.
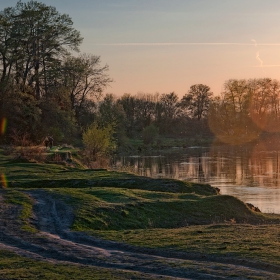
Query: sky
x=169, y=45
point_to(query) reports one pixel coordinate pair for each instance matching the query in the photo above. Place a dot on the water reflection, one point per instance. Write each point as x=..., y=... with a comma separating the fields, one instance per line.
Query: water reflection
x=250, y=173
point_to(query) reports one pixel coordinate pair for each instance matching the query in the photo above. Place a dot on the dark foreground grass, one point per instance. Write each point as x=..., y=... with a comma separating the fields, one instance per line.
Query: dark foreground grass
x=13, y=266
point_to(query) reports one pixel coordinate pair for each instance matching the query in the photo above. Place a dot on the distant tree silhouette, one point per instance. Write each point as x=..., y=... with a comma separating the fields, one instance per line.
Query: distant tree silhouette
x=197, y=101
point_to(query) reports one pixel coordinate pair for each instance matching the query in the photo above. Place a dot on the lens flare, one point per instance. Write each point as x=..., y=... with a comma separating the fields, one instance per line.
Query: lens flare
x=232, y=133
x=4, y=181
x=3, y=126
x=266, y=122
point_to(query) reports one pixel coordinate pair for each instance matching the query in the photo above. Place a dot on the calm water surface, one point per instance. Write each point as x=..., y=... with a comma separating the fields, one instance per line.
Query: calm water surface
x=251, y=172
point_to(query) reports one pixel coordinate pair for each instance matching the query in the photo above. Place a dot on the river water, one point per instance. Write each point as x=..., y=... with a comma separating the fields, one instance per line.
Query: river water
x=250, y=172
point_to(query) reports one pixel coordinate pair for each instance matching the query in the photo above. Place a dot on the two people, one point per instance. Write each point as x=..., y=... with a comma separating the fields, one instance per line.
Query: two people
x=48, y=141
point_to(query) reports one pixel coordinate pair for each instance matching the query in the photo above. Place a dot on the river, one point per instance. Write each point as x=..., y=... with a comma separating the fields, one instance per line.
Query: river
x=250, y=172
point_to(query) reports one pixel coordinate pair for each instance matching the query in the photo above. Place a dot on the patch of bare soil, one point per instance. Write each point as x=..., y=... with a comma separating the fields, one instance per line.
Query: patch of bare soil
x=55, y=242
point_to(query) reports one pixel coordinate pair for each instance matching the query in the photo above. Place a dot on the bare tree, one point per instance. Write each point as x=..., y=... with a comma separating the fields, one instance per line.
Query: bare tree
x=84, y=79
x=197, y=101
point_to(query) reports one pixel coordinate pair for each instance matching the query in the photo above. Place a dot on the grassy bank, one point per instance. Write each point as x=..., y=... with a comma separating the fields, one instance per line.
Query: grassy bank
x=108, y=200
x=167, y=215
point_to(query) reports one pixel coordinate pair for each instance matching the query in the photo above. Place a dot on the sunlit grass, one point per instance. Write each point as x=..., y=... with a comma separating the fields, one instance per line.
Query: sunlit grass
x=255, y=242
x=109, y=208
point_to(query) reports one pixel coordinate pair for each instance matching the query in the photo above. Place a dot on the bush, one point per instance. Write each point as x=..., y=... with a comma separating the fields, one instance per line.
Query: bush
x=150, y=134
x=98, y=142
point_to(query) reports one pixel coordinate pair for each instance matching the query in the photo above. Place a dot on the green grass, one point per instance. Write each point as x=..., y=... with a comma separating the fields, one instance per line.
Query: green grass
x=109, y=200
x=251, y=242
x=22, y=199
x=13, y=266
x=41, y=175
x=109, y=208
x=156, y=213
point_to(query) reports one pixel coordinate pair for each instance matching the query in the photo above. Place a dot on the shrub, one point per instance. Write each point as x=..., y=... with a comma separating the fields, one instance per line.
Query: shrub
x=98, y=142
x=150, y=134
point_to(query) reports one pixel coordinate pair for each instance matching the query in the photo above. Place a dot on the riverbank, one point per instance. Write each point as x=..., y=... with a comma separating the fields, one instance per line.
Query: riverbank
x=122, y=226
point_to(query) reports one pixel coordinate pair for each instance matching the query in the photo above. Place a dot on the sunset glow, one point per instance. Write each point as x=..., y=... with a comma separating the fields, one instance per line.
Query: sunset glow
x=165, y=46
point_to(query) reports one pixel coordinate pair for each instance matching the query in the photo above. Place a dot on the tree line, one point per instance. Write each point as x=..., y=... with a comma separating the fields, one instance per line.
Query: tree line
x=246, y=109
x=48, y=87
x=242, y=112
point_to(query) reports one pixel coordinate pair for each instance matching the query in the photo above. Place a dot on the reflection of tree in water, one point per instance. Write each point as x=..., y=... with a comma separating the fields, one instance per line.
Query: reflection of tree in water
x=252, y=165
x=200, y=176
x=249, y=172
x=160, y=166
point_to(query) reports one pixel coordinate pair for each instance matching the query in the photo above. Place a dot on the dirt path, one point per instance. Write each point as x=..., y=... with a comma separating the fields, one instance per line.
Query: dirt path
x=55, y=243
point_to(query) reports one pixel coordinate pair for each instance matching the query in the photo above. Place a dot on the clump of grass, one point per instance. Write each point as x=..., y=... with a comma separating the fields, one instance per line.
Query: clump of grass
x=22, y=199
x=35, y=153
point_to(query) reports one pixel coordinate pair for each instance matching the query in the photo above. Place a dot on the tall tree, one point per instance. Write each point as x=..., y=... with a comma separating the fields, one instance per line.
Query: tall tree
x=236, y=94
x=6, y=45
x=264, y=103
x=85, y=79
x=166, y=111
x=35, y=36
x=197, y=101
x=128, y=104
x=111, y=114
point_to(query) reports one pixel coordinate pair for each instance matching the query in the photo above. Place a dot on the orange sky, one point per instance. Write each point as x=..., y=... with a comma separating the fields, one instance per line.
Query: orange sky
x=164, y=46
x=175, y=67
